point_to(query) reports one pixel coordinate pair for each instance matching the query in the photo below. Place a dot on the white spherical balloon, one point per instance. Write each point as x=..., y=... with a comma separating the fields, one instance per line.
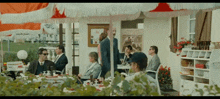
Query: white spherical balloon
x=22, y=54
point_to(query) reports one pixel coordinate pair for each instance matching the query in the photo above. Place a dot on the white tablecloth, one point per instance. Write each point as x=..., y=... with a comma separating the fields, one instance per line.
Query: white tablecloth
x=127, y=66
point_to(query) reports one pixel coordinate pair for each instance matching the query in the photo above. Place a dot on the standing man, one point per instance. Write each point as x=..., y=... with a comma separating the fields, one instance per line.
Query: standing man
x=42, y=64
x=154, y=62
x=61, y=59
x=105, y=54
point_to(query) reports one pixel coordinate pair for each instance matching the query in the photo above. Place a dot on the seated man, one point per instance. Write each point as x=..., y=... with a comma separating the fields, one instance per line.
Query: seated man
x=61, y=59
x=92, y=69
x=128, y=55
x=42, y=64
x=154, y=62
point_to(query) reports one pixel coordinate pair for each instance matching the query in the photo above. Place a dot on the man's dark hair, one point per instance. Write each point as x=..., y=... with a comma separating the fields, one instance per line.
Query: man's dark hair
x=140, y=59
x=129, y=47
x=142, y=64
x=155, y=49
x=61, y=47
x=40, y=51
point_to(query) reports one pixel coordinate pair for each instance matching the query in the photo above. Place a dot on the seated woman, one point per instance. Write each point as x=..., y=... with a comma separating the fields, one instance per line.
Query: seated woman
x=92, y=69
x=138, y=64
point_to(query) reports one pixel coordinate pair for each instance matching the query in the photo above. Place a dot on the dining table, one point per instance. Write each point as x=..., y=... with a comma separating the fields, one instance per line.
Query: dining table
x=55, y=80
x=125, y=67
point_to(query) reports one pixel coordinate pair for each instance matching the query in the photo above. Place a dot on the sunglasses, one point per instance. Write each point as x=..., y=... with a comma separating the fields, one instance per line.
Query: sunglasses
x=45, y=54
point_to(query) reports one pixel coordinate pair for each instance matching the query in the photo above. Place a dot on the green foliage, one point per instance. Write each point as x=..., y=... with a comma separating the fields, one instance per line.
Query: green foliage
x=139, y=86
x=32, y=55
x=213, y=90
x=10, y=56
x=27, y=46
x=27, y=87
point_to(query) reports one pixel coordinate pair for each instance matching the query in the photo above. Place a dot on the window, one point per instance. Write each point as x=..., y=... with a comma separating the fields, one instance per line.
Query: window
x=132, y=24
x=192, y=23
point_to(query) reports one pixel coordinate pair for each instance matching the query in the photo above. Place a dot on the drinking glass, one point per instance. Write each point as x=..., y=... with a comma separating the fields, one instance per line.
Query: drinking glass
x=122, y=60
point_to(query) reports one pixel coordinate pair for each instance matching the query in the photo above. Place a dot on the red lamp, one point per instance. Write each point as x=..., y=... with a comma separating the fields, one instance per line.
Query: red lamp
x=162, y=7
x=58, y=15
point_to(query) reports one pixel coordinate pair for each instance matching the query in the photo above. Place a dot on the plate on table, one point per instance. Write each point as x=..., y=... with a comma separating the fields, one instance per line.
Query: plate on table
x=51, y=76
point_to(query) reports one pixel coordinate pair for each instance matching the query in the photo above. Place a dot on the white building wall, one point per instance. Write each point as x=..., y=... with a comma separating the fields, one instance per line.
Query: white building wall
x=156, y=32
x=83, y=46
x=215, y=26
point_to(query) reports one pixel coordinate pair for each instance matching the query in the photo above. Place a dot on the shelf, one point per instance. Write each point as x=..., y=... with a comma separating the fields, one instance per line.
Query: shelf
x=198, y=50
x=201, y=77
x=202, y=59
x=202, y=83
x=202, y=80
x=195, y=58
x=187, y=75
x=187, y=58
x=187, y=67
x=202, y=69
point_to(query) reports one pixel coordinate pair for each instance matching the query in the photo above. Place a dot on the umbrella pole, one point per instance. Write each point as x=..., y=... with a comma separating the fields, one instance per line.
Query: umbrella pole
x=1, y=56
x=111, y=50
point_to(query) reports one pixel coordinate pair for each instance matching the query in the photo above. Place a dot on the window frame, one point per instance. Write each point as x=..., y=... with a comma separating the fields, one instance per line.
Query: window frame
x=191, y=33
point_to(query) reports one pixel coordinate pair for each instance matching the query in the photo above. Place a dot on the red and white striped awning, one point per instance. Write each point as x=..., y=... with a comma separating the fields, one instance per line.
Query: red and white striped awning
x=27, y=17
x=19, y=17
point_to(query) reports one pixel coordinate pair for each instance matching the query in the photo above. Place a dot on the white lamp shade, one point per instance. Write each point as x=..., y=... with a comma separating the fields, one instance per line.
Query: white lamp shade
x=22, y=54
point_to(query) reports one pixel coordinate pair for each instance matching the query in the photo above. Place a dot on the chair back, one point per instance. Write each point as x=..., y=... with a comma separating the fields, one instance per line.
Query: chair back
x=158, y=86
x=14, y=66
x=99, y=75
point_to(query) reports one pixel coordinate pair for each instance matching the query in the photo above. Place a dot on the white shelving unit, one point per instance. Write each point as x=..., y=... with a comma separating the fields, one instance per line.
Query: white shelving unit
x=190, y=75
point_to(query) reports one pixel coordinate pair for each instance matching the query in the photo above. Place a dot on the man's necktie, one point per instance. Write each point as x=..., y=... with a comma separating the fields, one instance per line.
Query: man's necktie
x=41, y=63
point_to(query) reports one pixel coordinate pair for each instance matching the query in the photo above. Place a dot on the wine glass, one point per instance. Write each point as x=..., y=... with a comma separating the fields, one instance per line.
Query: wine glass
x=44, y=72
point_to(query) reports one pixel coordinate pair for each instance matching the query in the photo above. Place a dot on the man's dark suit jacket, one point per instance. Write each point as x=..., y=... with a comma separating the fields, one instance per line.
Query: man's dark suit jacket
x=61, y=62
x=105, y=54
x=33, y=66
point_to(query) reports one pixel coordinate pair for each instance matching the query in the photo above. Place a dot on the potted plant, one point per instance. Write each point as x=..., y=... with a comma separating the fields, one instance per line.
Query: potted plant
x=184, y=43
x=164, y=78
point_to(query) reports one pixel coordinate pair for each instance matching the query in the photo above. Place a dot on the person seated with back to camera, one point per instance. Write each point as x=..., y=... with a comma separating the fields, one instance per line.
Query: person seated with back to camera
x=93, y=68
x=138, y=64
x=42, y=64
